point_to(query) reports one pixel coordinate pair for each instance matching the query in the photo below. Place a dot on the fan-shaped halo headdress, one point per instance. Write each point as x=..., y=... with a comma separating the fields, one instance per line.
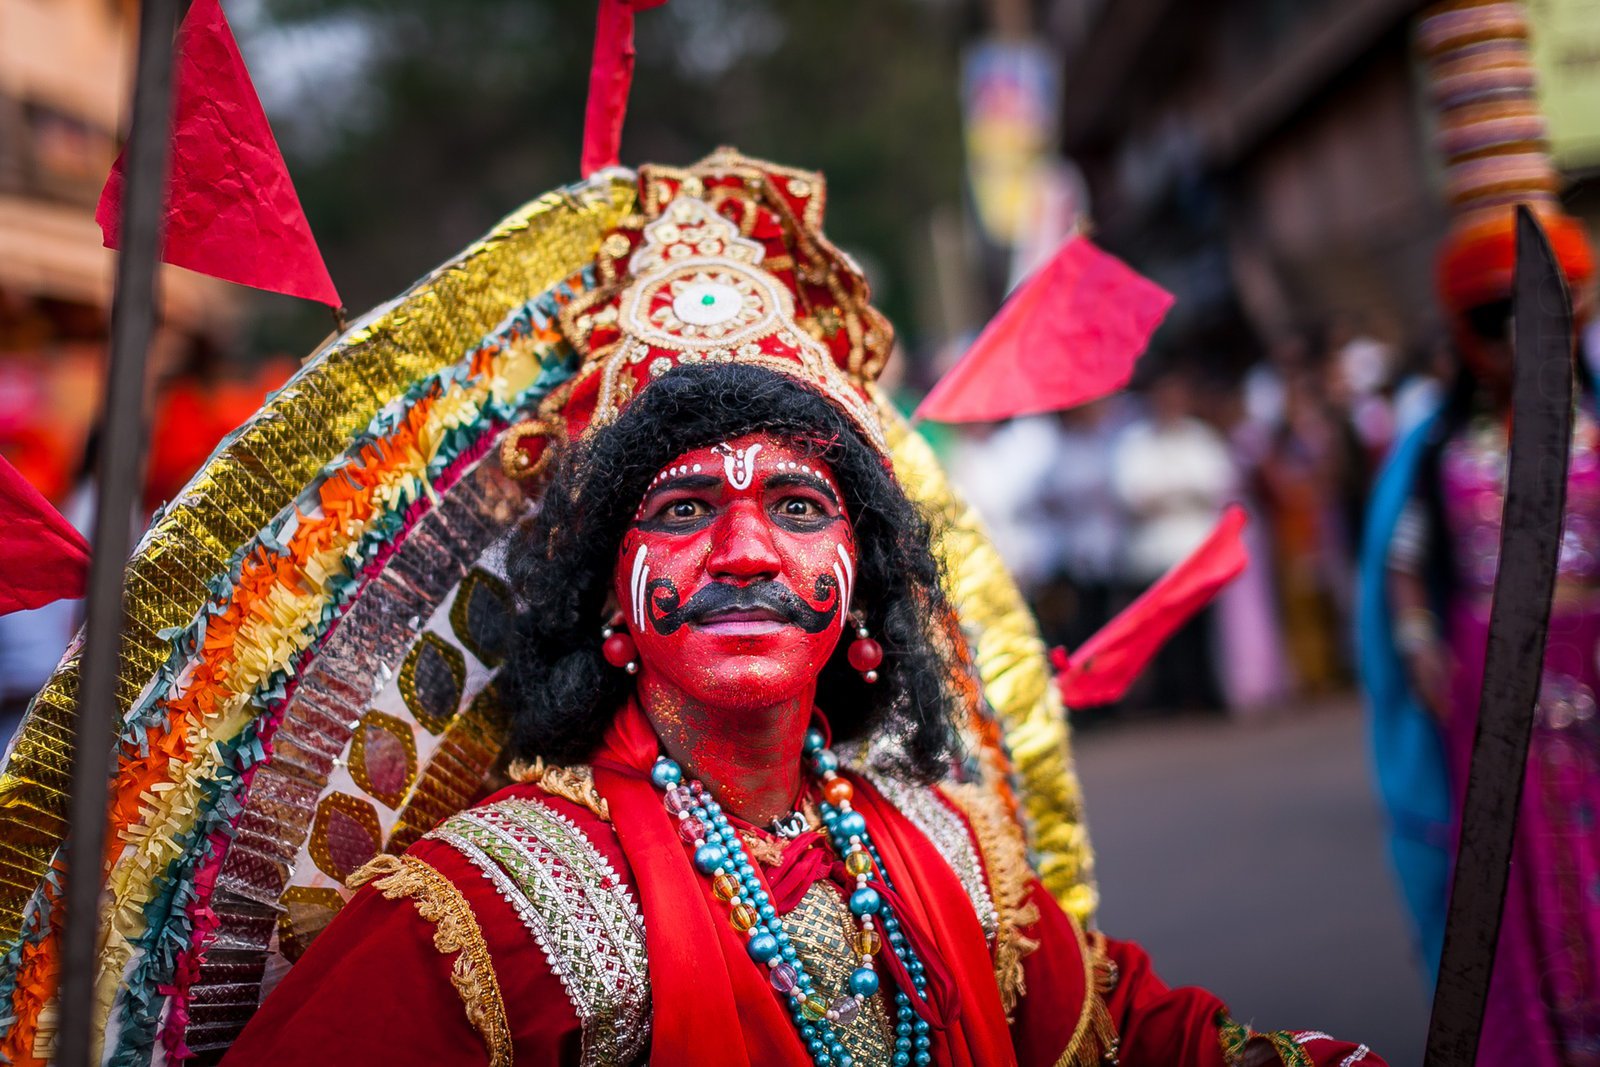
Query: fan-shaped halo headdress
x=317, y=620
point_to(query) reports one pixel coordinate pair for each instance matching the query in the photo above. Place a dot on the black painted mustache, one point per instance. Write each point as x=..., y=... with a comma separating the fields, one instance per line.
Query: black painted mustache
x=667, y=616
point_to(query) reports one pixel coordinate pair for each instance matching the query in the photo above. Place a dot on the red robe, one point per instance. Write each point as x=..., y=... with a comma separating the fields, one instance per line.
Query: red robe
x=395, y=980
x=569, y=925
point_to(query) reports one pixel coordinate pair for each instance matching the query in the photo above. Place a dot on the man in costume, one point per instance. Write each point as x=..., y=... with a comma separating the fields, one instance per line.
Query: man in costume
x=750, y=824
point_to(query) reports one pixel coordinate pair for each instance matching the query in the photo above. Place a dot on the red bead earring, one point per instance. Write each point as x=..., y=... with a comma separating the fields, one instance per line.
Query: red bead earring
x=619, y=650
x=864, y=654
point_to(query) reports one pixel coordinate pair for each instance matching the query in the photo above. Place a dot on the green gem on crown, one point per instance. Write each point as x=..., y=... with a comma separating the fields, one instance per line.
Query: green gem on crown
x=708, y=299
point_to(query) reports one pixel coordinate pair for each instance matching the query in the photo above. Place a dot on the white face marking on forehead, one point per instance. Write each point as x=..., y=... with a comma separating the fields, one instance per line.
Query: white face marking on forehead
x=818, y=472
x=739, y=468
x=738, y=464
x=674, y=471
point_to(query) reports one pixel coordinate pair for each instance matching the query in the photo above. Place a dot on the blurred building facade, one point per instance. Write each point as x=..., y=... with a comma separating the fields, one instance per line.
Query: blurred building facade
x=1268, y=160
x=65, y=67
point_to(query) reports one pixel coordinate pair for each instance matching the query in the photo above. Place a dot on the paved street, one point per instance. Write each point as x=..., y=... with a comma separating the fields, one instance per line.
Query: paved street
x=1248, y=858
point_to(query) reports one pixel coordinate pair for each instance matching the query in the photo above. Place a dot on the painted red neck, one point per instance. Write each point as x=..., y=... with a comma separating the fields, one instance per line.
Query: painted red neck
x=749, y=757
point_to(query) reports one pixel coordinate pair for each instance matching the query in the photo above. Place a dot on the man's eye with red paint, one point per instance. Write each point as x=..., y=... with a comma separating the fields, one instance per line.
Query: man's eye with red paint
x=680, y=513
x=798, y=507
x=801, y=512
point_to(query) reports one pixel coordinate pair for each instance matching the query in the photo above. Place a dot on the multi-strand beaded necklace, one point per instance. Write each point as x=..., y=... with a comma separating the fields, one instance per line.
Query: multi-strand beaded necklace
x=719, y=855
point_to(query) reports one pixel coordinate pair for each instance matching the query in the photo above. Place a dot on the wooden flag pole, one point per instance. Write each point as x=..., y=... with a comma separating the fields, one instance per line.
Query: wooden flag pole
x=119, y=471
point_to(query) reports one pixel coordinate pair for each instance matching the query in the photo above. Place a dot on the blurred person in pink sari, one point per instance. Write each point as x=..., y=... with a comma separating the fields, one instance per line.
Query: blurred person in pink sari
x=1428, y=577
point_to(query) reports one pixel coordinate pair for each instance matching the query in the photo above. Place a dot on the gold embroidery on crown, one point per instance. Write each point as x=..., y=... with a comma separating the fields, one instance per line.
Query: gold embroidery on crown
x=690, y=245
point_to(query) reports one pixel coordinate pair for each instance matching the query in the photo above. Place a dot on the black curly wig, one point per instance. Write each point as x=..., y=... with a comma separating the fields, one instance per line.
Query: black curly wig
x=563, y=694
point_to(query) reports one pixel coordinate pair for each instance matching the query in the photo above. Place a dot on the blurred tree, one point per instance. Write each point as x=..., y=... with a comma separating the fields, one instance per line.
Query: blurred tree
x=411, y=126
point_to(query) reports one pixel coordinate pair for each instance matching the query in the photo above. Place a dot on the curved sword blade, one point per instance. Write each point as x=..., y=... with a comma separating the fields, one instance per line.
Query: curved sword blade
x=1530, y=542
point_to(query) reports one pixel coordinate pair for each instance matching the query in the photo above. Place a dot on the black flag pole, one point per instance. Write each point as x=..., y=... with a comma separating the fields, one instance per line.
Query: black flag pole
x=118, y=476
x=1530, y=543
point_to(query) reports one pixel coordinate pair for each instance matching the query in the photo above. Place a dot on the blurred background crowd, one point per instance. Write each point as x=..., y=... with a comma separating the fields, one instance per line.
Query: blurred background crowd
x=1092, y=506
x=1270, y=162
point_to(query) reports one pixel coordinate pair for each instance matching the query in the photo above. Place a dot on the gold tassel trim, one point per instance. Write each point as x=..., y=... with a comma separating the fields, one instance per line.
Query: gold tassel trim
x=1005, y=862
x=1095, y=1041
x=454, y=930
x=1236, y=1039
x=575, y=783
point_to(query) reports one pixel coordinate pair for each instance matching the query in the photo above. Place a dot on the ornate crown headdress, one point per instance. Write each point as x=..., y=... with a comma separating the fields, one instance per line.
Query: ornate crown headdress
x=725, y=261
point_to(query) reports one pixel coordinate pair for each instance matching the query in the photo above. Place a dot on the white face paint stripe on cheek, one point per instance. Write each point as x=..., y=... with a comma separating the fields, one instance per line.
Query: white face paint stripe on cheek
x=640, y=571
x=644, y=595
x=844, y=596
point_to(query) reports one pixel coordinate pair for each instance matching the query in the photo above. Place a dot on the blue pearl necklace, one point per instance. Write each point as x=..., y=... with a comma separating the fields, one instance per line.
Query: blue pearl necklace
x=720, y=856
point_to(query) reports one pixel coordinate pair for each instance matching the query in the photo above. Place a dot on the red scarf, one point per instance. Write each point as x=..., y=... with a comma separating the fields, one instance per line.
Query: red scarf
x=706, y=992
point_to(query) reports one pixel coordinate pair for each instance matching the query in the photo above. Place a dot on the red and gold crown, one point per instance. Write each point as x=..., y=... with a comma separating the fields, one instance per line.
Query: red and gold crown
x=724, y=262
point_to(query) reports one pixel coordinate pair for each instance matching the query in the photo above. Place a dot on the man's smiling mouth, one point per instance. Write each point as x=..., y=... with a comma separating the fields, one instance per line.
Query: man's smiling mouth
x=743, y=621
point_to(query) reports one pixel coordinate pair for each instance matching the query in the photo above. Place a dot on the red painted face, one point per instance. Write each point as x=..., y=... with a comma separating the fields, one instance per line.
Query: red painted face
x=735, y=577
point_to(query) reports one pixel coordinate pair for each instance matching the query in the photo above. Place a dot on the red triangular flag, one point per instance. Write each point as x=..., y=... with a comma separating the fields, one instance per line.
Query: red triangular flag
x=610, y=78
x=1105, y=665
x=232, y=211
x=1069, y=334
x=45, y=558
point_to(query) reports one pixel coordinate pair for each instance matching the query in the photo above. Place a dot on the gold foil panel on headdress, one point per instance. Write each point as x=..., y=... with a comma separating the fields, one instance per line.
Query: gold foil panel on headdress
x=272, y=458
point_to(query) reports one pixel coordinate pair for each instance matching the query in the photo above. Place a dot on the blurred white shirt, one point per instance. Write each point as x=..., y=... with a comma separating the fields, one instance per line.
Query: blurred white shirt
x=1002, y=475
x=1174, y=480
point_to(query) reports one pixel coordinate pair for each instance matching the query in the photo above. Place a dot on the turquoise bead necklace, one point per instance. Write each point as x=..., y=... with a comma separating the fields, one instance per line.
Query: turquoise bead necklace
x=719, y=855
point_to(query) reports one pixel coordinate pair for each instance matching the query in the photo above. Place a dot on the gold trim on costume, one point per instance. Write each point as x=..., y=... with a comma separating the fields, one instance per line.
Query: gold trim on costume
x=454, y=931
x=574, y=783
x=1005, y=861
x=1235, y=1038
x=1095, y=1042
x=576, y=907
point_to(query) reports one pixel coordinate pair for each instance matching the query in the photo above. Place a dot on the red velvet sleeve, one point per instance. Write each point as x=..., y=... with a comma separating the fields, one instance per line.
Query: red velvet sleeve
x=1156, y=1026
x=373, y=988
x=1056, y=978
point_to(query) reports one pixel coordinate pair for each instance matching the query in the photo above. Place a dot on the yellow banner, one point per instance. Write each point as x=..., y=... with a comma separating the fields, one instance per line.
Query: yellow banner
x=1565, y=40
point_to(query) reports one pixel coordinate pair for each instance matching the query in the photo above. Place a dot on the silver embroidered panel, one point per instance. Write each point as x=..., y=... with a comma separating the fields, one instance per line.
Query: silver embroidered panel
x=948, y=832
x=581, y=914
